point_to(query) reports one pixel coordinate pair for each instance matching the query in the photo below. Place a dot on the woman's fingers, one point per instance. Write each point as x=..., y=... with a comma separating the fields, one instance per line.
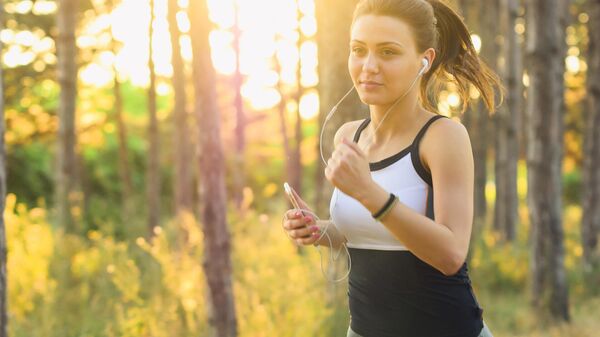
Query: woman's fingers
x=301, y=228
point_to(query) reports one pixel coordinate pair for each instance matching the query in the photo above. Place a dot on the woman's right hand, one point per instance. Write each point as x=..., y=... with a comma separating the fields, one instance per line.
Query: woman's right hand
x=301, y=226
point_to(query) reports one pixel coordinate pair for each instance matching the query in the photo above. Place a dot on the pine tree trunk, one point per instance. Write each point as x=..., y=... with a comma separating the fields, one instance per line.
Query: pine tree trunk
x=544, y=156
x=3, y=248
x=67, y=79
x=282, y=111
x=334, y=81
x=183, y=173
x=296, y=165
x=217, y=251
x=153, y=182
x=506, y=119
x=473, y=119
x=240, y=128
x=590, y=225
x=481, y=121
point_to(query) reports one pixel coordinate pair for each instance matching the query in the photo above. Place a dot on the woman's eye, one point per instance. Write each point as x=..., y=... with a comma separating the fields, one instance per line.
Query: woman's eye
x=357, y=50
x=388, y=52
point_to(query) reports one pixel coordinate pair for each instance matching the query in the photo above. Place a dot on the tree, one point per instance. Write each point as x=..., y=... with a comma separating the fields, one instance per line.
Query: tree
x=183, y=173
x=217, y=241
x=475, y=120
x=590, y=224
x=67, y=79
x=3, y=248
x=240, y=127
x=333, y=41
x=506, y=125
x=153, y=182
x=482, y=20
x=544, y=156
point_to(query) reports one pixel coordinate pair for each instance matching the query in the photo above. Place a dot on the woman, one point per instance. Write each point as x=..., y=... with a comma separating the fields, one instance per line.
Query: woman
x=408, y=244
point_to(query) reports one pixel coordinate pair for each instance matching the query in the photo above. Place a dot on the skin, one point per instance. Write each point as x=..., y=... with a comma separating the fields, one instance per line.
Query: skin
x=384, y=54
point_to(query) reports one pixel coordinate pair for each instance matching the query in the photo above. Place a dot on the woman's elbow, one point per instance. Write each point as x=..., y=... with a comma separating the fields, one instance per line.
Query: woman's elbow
x=452, y=264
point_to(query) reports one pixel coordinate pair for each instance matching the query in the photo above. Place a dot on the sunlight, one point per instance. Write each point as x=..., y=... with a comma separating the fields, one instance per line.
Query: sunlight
x=268, y=45
x=453, y=100
x=572, y=64
x=476, y=42
x=42, y=7
x=96, y=74
x=309, y=105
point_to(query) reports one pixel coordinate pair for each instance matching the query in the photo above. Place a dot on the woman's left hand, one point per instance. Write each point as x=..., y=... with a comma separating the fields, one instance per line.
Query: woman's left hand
x=348, y=169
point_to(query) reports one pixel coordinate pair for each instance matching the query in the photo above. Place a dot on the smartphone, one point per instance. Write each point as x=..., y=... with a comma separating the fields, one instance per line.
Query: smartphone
x=288, y=191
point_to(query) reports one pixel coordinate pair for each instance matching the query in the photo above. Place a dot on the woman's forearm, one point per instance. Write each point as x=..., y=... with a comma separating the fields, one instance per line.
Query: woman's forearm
x=432, y=242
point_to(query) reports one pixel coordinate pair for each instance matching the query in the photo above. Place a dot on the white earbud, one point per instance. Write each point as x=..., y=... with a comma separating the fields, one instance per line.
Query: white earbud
x=425, y=62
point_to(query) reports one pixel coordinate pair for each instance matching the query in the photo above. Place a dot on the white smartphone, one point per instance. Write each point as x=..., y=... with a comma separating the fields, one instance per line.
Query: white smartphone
x=288, y=191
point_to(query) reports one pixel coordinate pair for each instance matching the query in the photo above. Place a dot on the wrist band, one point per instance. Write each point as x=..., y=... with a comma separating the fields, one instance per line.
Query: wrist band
x=386, y=208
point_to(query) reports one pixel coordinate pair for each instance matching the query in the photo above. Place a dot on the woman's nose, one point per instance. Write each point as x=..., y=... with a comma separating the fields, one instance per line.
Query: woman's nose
x=370, y=64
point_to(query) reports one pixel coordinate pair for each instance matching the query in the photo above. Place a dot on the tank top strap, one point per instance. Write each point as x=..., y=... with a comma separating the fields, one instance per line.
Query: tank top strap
x=361, y=127
x=425, y=127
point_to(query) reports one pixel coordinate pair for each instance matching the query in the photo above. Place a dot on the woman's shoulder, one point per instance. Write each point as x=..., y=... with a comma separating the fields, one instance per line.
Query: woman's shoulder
x=445, y=128
x=443, y=136
x=347, y=130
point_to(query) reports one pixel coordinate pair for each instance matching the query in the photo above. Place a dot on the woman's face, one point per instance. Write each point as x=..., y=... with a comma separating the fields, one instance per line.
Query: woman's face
x=383, y=59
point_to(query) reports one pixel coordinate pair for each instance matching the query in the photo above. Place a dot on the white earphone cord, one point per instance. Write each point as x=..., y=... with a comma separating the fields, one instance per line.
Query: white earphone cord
x=328, y=222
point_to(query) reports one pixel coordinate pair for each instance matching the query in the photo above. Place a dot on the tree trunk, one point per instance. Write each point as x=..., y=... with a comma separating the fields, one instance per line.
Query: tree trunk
x=153, y=182
x=590, y=225
x=334, y=81
x=217, y=261
x=544, y=155
x=506, y=122
x=296, y=164
x=3, y=248
x=183, y=173
x=474, y=119
x=489, y=52
x=240, y=128
x=67, y=79
x=282, y=111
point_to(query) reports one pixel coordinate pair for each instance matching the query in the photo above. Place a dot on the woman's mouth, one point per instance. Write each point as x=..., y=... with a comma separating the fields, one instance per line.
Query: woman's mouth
x=370, y=85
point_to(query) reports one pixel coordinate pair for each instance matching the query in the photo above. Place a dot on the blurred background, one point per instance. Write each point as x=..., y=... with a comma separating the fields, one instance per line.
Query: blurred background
x=147, y=142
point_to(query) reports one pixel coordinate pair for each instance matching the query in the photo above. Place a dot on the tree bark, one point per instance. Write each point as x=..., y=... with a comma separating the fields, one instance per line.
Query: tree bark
x=240, y=128
x=485, y=131
x=296, y=164
x=544, y=156
x=3, y=248
x=67, y=79
x=153, y=176
x=475, y=120
x=217, y=261
x=506, y=122
x=590, y=224
x=334, y=81
x=183, y=173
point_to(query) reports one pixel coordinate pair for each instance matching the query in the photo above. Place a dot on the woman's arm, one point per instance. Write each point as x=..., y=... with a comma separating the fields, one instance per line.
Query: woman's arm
x=442, y=243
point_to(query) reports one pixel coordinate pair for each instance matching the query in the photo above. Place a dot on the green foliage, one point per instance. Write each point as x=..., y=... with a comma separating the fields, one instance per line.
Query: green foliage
x=572, y=187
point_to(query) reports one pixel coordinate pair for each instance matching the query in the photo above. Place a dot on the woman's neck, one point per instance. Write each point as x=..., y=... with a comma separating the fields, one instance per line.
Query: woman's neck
x=401, y=119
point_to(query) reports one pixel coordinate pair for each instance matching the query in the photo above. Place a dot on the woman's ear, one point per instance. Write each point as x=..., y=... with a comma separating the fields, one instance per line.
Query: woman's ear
x=429, y=55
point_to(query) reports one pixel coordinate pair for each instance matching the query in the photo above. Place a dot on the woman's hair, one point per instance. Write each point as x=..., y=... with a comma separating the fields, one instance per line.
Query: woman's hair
x=435, y=25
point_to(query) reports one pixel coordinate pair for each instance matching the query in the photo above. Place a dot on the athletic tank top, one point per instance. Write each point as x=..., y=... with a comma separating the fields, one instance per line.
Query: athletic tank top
x=392, y=293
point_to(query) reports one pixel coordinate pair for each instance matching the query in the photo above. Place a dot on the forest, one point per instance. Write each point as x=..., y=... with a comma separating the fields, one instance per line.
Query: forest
x=145, y=144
